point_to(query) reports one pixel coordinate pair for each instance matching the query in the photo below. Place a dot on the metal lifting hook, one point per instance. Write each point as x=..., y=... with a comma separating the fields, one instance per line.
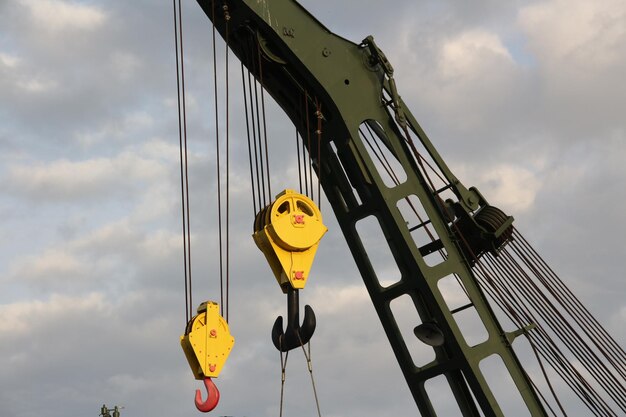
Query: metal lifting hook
x=295, y=335
x=213, y=397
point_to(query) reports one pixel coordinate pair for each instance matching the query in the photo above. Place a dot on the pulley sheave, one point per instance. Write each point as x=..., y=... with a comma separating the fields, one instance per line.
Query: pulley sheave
x=288, y=232
x=207, y=341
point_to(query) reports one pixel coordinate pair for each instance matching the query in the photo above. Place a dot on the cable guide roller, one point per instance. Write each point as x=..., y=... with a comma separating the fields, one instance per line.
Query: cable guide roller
x=288, y=232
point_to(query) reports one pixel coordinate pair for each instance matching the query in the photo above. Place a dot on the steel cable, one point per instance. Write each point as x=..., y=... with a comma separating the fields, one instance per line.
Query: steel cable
x=507, y=304
x=218, y=168
x=255, y=208
x=497, y=290
x=226, y=71
x=559, y=357
x=577, y=309
x=586, y=326
x=560, y=327
x=567, y=334
x=182, y=139
x=267, y=155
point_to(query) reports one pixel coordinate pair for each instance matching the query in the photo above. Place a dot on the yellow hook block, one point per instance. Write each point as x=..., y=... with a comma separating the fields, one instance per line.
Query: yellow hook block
x=207, y=341
x=288, y=232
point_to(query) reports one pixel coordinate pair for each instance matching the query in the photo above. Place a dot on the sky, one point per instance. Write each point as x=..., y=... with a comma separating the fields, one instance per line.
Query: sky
x=523, y=99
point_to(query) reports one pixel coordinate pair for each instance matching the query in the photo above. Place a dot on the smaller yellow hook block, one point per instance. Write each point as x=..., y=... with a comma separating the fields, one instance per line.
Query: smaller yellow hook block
x=288, y=232
x=207, y=341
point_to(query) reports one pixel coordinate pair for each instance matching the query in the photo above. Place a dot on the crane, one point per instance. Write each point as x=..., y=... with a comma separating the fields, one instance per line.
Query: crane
x=374, y=163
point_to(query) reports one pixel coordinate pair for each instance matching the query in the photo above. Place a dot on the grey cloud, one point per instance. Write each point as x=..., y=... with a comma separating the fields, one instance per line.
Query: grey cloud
x=113, y=338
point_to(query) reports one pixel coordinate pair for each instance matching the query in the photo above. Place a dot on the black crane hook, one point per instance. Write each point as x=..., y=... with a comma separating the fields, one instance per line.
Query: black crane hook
x=295, y=335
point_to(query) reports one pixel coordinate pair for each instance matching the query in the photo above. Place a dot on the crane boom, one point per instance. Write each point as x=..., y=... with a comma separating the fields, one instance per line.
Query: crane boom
x=349, y=88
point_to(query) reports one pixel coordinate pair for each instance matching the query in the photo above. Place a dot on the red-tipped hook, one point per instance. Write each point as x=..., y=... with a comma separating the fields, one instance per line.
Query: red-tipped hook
x=213, y=397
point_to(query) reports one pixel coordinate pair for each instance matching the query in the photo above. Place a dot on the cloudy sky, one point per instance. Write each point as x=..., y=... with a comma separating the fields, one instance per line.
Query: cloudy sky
x=524, y=99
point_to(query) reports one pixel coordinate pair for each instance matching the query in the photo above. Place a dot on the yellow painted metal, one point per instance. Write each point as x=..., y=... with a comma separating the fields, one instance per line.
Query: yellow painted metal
x=288, y=232
x=207, y=341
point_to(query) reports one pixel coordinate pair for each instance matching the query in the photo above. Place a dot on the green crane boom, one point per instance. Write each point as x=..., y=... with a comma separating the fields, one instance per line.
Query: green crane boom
x=345, y=89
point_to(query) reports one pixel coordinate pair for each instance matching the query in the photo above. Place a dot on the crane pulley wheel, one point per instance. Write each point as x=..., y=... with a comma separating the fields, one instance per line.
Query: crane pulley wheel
x=288, y=232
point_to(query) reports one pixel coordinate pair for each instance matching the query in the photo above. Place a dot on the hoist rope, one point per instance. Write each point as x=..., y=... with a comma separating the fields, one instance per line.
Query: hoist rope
x=257, y=171
x=506, y=300
x=566, y=332
x=257, y=129
x=267, y=155
x=252, y=179
x=378, y=153
x=308, y=145
x=226, y=71
x=505, y=303
x=318, y=131
x=283, y=370
x=497, y=293
x=310, y=368
x=500, y=284
x=500, y=281
x=305, y=163
x=305, y=148
x=563, y=328
x=217, y=164
x=613, y=352
x=182, y=140
x=299, y=161
x=506, y=307
x=283, y=375
x=547, y=379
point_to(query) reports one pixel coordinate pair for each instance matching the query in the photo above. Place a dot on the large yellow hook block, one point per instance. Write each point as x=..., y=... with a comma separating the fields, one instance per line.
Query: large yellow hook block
x=288, y=232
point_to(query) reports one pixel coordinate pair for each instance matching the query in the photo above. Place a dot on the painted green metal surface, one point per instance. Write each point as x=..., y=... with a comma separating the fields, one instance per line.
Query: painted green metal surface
x=352, y=84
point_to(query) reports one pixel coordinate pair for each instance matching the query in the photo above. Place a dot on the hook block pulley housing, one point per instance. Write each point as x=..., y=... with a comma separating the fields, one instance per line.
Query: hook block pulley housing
x=288, y=232
x=207, y=341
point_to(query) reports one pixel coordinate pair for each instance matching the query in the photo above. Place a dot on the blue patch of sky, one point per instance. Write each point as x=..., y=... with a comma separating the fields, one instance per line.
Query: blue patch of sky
x=516, y=44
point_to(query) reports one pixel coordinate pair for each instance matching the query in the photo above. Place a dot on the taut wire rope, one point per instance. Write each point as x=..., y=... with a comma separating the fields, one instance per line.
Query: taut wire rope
x=227, y=69
x=318, y=131
x=267, y=155
x=182, y=140
x=252, y=177
x=218, y=168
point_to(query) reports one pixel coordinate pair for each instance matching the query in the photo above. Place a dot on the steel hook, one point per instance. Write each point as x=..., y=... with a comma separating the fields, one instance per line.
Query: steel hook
x=213, y=397
x=295, y=335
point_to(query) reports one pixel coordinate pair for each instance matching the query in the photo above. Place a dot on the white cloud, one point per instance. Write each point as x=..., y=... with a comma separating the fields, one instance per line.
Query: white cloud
x=472, y=53
x=465, y=78
x=125, y=65
x=58, y=15
x=17, y=318
x=53, y=264
x=116, y=129
x=587, y=35
x=37, y=85
x=578, y=50
x=8, y=60
x=335, y=301
x=513, y=187
x=66, y=179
